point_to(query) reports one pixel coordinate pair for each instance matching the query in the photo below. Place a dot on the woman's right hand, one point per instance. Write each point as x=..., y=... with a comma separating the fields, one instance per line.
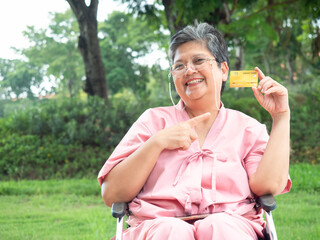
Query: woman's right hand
x=182, y=135
x=128, y=177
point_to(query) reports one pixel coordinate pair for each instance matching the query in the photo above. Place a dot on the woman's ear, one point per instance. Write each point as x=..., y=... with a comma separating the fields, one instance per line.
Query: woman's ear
x=225, y=71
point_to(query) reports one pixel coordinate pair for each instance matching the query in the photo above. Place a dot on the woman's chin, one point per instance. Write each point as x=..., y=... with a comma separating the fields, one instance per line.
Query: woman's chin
x=195, y=96
x=195, y=93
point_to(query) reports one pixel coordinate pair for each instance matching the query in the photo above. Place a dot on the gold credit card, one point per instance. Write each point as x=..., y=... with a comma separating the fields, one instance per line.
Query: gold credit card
x=243, y=79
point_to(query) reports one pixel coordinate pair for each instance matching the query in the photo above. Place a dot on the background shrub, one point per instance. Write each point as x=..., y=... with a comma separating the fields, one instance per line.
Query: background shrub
x=62, y=138
x=32, y=157
x=72, y=120
x=72, y=137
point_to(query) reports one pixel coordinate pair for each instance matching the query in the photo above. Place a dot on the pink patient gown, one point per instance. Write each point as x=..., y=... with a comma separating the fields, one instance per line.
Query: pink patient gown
x=208, y=180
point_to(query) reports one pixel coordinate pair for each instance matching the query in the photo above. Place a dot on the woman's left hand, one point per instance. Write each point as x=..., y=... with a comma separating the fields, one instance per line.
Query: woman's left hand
x=271, y=95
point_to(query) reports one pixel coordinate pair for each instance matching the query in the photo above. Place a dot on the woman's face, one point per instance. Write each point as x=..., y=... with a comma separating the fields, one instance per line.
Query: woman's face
x=194, y=84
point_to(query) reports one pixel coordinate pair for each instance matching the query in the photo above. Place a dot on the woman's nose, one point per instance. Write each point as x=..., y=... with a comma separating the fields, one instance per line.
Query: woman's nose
x=190, y=69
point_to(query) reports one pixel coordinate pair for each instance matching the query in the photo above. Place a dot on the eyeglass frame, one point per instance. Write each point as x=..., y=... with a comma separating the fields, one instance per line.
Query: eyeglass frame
x=185, y=68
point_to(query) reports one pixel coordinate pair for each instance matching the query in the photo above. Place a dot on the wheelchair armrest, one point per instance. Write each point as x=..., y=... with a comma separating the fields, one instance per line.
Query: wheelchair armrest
x=118, y=209
x=267, y=202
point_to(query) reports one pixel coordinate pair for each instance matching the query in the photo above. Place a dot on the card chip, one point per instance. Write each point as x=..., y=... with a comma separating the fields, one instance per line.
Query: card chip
x=243, y=79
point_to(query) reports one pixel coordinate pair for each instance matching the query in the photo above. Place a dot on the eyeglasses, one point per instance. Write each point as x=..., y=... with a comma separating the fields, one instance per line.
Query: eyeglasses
x=179, y=69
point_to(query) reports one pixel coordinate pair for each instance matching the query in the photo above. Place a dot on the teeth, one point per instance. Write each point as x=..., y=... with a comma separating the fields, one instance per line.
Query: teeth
x=194, y=81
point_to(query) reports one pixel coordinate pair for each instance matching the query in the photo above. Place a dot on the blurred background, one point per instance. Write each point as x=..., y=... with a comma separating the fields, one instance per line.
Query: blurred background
x=79, y=73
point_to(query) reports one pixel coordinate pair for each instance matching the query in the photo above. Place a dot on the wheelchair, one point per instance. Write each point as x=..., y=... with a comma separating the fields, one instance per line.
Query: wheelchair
x=266, y=202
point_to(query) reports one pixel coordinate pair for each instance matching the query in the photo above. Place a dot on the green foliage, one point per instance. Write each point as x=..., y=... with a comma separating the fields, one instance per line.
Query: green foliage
x=63, y=137
x=158, y=86
x=269, y=34
x=244, y=101
x=278, y=40
x=124, y=41
x=305, y=125
x=18, y=77
x=89, y=122
x=55, y=50
x=32, y=157
x=5, y=106
x=53, y=56
x=73, y=137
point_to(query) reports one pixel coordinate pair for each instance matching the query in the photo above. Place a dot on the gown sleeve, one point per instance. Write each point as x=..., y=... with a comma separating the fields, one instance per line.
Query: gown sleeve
x=259, y=137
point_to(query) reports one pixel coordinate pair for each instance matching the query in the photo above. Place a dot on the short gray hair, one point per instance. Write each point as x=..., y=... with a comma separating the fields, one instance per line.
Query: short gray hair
x=203, y=33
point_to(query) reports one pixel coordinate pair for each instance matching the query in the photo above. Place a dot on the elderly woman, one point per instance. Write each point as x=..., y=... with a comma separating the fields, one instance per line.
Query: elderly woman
x=198, y=158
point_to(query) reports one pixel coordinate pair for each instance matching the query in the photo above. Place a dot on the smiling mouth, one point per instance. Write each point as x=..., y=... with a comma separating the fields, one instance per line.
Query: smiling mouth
x=194, y=81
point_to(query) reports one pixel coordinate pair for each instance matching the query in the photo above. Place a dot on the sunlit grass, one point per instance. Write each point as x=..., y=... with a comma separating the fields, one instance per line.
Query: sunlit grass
x=73, y=209
x=297, y=216
x=43, y=210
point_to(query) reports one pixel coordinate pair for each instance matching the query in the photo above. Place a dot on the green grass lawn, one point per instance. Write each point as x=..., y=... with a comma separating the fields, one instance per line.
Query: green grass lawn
x=73, y=209
x=53, y=209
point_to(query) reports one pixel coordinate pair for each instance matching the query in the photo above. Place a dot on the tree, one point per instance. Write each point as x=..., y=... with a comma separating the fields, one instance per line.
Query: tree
x=179, y=13
x=268, y=33
x=18, y=77
x=88, y=44
x=124, y=39
x=55, y=50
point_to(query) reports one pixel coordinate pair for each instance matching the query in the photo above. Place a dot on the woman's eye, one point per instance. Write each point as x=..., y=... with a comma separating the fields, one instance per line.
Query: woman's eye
x=199, y=61
x=179, y=67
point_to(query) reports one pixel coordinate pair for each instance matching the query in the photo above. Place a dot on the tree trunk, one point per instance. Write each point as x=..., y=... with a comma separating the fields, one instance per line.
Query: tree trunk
x=239, y=55
x=89, y=48
x=173, y=25
x=289, y=65
x=267, y=70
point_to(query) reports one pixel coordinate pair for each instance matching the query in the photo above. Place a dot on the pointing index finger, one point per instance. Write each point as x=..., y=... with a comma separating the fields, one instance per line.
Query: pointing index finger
x=260, y=73
x=194, y=121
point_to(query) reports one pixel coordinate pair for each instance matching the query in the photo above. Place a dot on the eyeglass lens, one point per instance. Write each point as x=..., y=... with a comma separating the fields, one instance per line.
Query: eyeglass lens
x=197, y=64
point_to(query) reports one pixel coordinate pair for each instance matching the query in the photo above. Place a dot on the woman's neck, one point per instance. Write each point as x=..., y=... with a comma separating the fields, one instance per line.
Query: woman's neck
x=203, y=128
x=197, y=107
